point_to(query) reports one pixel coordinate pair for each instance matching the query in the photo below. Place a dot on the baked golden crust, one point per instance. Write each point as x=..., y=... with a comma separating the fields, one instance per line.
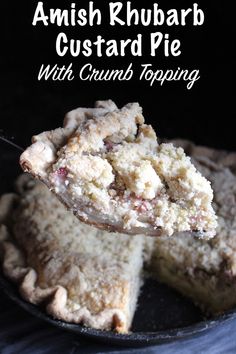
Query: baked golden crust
x=106, y=165
x=82, y=274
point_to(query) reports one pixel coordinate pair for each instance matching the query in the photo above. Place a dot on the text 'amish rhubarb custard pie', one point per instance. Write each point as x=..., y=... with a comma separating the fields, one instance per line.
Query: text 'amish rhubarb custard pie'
x=106, y=166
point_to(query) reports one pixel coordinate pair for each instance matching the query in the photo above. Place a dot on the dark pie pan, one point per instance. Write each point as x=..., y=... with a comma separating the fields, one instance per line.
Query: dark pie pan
x=162, y=315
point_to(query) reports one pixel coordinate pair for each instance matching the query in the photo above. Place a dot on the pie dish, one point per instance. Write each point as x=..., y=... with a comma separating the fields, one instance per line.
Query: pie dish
x=87, y=276
x=106, y=166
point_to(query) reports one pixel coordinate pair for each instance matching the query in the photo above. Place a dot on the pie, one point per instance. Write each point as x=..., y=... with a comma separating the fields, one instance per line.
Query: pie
x=83, y=274
x=88, y=276
x=106, y=166
x=205, y=270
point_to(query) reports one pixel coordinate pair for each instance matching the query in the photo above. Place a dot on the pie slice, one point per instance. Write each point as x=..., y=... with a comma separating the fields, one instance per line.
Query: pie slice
x=108, y=168
x=205, y=270
x=81, y=274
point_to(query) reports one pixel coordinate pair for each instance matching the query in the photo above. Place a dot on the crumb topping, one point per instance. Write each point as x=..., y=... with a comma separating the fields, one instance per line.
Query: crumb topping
x=115, y=165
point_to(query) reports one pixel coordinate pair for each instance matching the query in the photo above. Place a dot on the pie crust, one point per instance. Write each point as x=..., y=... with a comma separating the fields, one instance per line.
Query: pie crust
x=82, y=274
x=106, y=166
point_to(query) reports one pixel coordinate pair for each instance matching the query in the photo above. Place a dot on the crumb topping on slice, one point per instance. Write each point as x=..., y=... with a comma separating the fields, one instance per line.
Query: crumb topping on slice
x=113, y=165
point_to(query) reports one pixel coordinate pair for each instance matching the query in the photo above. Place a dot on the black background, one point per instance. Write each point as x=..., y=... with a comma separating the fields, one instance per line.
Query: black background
x=204, y=114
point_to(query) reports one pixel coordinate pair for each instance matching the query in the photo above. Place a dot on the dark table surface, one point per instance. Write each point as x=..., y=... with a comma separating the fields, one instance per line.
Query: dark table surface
x=20, y=332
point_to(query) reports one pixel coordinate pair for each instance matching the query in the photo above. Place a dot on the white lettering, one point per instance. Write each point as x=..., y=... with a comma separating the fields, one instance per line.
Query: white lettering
x=39, y=15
